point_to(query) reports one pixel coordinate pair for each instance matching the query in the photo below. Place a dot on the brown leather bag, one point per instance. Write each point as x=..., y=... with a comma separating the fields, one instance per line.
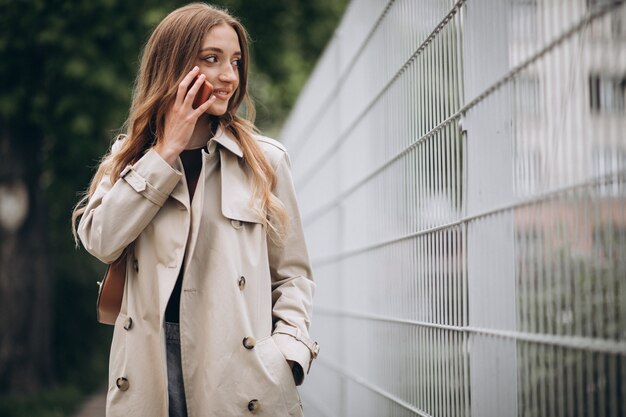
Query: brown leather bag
x=111, y=291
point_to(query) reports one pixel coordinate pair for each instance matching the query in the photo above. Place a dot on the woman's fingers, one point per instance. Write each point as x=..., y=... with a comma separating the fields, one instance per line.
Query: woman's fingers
x=184, y=85
x=205, y=106
x=191, y=94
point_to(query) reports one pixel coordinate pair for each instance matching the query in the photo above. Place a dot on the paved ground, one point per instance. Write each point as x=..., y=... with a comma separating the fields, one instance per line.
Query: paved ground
x=93, y=405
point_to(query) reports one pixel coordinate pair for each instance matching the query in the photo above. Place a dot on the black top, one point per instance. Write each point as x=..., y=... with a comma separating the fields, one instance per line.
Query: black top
x=192, y=163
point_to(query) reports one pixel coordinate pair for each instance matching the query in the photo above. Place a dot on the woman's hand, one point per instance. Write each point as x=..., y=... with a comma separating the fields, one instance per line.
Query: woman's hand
x=181, y=117
x=296, y=371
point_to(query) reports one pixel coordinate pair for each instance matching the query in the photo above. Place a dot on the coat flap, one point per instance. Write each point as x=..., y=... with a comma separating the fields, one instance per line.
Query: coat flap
x=237, y=189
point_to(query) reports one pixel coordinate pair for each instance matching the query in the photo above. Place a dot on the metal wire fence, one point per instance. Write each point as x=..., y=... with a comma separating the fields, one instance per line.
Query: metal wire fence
x=461, y=171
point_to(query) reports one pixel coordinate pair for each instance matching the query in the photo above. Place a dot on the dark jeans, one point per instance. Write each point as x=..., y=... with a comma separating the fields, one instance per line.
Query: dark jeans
x=176, y=389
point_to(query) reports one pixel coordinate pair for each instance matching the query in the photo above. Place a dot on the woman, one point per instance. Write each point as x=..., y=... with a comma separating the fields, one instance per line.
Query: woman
x=217, y=301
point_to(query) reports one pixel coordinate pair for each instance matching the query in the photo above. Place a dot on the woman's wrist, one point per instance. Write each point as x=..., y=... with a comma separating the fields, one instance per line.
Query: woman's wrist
x=168, y=154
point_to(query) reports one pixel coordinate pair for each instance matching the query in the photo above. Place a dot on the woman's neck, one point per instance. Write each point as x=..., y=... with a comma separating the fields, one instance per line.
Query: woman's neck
x=201, y=132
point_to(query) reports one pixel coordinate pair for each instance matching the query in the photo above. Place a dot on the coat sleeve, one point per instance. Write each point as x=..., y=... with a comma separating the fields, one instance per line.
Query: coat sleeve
x=117, y=213
x=292, y=282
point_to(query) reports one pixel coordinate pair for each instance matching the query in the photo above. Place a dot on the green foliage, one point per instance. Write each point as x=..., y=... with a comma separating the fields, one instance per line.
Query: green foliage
x=287, y=38
x=66, y=71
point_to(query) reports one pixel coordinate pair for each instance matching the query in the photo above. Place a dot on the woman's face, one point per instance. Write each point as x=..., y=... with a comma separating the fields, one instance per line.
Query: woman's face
x=219, y=59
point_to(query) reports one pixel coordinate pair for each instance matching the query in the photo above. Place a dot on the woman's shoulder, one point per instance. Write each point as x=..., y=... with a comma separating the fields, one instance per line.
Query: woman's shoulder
x=274, y=150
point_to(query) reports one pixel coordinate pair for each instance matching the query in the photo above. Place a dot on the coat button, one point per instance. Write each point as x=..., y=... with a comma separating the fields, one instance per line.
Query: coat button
x=122, y=383
x=249, y=342
x=135, y=265
x=242, y=282
x=254, y=406
x=128, y=323
x=236, y=223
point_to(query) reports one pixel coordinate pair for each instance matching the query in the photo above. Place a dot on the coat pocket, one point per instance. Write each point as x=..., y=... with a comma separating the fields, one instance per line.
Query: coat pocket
x=275, y=363
x=257, y=382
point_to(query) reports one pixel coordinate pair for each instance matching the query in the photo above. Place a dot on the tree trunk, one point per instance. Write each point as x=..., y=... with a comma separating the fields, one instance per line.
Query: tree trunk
x=25, y=276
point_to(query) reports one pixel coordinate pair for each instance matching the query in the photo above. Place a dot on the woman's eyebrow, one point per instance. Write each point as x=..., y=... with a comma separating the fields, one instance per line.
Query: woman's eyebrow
x=214, y=49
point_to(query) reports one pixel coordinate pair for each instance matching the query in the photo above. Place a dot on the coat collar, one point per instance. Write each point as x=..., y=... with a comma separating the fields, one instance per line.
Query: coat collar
x=225, y=139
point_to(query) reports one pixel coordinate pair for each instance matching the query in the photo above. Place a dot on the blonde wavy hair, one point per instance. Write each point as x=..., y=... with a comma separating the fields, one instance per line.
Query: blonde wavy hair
x=167, y=57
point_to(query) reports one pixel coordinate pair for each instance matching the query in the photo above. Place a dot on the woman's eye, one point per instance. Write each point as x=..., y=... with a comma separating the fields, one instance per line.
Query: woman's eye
x=237, y=62
x=211, y=58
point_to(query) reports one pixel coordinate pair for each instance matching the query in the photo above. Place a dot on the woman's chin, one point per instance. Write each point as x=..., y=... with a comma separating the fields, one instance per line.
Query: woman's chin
x=216, y=110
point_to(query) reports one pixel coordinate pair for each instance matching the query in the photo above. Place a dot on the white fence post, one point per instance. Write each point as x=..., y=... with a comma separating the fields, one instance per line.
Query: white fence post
x=490, y=239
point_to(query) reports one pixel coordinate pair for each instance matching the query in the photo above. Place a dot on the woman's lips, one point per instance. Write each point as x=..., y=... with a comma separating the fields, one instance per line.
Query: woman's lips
x=221, y=96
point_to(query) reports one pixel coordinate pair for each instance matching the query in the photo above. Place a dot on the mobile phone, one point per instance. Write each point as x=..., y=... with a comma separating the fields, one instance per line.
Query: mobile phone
x=203, y=93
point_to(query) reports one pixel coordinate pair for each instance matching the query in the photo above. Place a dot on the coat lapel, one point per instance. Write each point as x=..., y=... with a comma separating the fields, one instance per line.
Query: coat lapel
x=237, y=189
x=235, y=180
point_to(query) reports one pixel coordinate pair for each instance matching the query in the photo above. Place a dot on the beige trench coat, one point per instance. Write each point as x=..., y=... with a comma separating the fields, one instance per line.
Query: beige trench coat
x=245, y=302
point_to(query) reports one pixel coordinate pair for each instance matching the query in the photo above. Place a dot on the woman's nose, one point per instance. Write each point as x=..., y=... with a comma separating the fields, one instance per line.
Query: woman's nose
x=229, y=74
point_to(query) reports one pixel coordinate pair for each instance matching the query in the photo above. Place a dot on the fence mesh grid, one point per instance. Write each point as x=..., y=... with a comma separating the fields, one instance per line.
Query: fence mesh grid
x=461, y=172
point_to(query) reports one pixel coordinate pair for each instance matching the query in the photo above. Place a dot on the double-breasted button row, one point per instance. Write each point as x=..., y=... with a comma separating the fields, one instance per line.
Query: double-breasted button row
x=254, y=406
x=249, y=342
x=122, y=383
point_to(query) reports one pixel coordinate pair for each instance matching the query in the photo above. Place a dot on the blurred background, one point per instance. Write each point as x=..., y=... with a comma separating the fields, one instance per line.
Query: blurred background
x=461, y=172
x=66, y=71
